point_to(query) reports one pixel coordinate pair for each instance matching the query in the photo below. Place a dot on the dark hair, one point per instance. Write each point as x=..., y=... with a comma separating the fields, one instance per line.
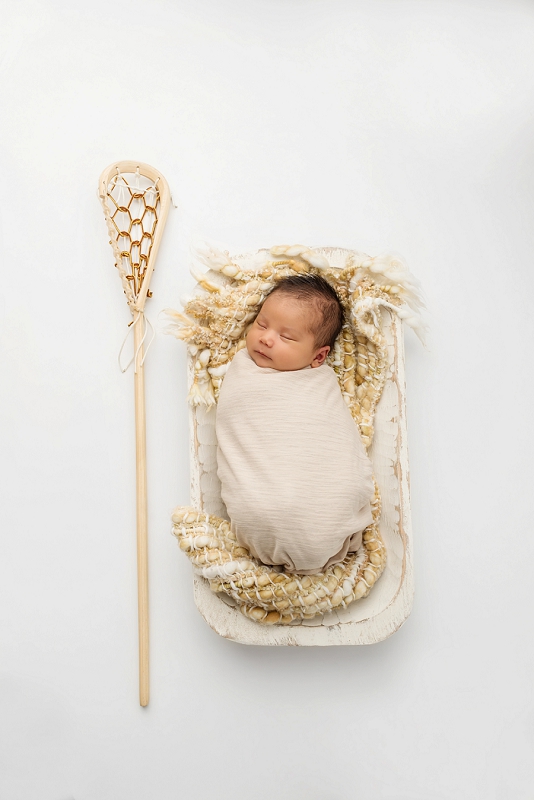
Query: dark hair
x=323, y=297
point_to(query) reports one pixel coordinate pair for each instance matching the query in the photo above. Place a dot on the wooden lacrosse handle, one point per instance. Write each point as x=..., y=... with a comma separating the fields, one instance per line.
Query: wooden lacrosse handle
x=142, y=514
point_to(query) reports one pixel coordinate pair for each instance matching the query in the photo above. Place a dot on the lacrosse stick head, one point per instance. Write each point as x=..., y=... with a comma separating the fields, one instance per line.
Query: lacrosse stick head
x=135, y=198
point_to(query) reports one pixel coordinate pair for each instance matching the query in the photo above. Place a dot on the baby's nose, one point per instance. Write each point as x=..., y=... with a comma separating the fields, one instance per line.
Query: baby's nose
x=266, y=338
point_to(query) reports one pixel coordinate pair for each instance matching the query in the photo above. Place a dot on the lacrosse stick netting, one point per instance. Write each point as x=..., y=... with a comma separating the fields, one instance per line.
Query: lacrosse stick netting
x=135, y=198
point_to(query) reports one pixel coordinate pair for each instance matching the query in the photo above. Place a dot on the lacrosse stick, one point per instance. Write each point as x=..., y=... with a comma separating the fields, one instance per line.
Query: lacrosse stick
x=135, y=198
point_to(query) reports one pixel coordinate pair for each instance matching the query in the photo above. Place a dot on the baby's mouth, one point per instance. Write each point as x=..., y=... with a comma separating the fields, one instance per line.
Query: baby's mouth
x=263, y=354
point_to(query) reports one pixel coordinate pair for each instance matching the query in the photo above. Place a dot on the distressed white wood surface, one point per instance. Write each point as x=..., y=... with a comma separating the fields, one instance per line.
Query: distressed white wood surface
x=388, y=605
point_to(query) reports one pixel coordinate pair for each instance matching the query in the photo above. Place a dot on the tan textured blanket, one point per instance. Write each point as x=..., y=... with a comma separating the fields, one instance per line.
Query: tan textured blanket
x=295, y=477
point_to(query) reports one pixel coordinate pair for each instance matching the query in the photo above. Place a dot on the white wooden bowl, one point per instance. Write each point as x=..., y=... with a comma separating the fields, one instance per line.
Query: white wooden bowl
x=388, y=605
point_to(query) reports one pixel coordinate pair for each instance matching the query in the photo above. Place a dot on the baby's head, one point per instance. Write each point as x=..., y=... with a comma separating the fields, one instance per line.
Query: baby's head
x=297, y=324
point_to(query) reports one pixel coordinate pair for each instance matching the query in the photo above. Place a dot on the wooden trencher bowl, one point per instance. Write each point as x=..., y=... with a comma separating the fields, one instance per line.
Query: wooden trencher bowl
x=136, y=199
x=242, y=599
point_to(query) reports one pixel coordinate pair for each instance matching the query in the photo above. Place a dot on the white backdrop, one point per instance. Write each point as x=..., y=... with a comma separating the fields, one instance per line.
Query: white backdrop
x=394, y=124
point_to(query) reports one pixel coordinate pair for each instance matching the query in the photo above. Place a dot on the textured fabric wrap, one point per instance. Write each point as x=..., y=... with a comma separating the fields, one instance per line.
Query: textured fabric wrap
x=296, y=479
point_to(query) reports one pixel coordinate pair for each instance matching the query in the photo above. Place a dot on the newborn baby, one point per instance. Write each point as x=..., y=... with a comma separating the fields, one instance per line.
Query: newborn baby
x=295, y=477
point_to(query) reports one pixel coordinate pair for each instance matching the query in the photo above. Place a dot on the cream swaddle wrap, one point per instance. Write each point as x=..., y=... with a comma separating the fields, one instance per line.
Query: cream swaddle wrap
x=296, y=480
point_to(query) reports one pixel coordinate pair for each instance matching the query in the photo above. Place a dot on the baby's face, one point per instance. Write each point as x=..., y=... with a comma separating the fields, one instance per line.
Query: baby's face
x=280, y=337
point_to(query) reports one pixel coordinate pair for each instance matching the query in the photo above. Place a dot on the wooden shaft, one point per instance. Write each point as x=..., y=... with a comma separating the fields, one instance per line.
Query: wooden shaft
x=142, y=521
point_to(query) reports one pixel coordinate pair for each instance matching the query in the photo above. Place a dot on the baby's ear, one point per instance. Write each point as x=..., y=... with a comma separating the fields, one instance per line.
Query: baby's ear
x=320, y=356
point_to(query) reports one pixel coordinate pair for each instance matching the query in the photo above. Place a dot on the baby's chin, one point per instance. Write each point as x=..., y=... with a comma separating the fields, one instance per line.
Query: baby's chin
x=265, y=361
x=260, y=359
